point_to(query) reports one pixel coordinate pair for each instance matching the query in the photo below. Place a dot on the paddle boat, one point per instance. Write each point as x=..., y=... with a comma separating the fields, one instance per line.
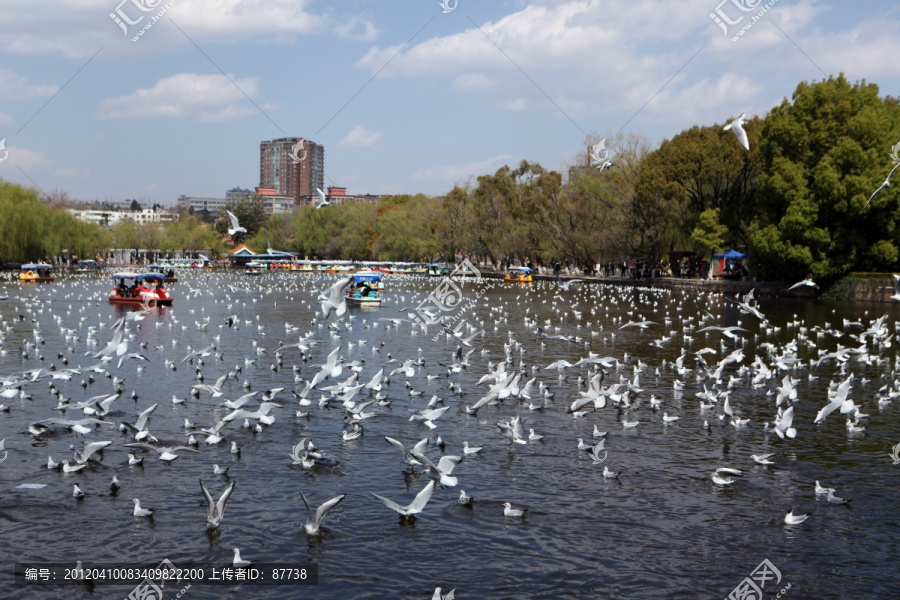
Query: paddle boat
x=366, y=289
x=146, y=289
x=518, y=275
x=36, y=272
x=435, y=270
x=167, y=271
x=254, y=268
x=87, y=266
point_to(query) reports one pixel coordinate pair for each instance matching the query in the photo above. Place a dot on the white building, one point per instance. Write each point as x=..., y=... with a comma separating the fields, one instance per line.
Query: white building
x=108, y=218
x=213, y=205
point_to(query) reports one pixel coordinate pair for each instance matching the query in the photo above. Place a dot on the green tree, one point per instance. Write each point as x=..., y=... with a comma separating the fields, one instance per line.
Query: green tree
x=824, y=152
x=709, y=234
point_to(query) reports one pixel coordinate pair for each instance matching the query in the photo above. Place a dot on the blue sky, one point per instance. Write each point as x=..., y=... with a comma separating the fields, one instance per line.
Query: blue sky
x=404, y=97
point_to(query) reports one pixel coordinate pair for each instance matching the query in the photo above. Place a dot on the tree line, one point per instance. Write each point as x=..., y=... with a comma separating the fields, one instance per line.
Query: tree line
x=796, y=202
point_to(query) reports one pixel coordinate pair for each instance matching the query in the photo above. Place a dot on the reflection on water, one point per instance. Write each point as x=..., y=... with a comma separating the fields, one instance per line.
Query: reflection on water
x=661, y=530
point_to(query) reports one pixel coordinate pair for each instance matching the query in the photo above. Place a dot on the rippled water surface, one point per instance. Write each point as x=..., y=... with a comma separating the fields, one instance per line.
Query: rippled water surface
x=661, y=530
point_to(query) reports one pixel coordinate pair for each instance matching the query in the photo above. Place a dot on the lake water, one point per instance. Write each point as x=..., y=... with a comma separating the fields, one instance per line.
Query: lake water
x=663, y=529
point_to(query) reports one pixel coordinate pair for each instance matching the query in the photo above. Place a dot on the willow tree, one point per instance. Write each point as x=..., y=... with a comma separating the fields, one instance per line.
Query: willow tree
x=407, y=228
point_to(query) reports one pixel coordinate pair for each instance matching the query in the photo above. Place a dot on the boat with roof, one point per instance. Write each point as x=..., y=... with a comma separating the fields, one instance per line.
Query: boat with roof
x=518, y=275
x=366, y=289
x=146, y=289
x=36, y=273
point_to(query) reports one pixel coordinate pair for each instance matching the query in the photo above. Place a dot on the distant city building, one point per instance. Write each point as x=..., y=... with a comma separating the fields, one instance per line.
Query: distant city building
x=275, y=203
x=279, y=169
x=195, y=204
x=108, y=218
x=338, y=195
x=237, y=193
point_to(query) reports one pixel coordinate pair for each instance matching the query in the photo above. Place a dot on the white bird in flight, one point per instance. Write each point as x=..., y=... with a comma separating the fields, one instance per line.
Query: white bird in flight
x=235, y=226
x=885, y=185
x=334, y=299
x=737, y=126
x=323, y=201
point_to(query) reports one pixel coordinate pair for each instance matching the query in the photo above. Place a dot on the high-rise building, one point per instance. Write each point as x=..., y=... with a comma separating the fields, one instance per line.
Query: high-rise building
x=295, y=174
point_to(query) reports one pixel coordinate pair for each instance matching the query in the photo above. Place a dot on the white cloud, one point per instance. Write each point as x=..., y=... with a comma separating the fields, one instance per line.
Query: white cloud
x=22, y=157
x=5, y=119
x=13, y=87
x=78, y=28
x=357, y=28
x=595, y=60
x=449, y=174
x=360, y=137
x=207, y=98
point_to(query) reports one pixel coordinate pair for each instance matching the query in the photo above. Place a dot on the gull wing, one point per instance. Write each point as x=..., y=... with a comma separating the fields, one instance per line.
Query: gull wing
x=234, y=220
x=223, y=499
x=107, y=403
x=220, y=382
x=434, y=413
x=393, y=505
x=396, y=443
x=421, y=499
x=517, y=427
x=306, y=502
x=447, y=463
x=210, y=504
x=324, y=508
x=420, y=446
x=142, y=419
x=142, y=446
x=828, y=409
x=422, y=458
x=90, y=449
x=376, y=380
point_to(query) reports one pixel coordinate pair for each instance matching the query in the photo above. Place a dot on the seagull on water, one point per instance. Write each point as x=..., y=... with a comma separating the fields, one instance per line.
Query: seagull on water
x=451, y=595
x=763, y=459
x=509, y=511
x=821, y=490
x=314, y=522
x=216, y=509
x=413, y=508
x=67, y=468
x=238, y=562
x=792, y=519
x=469, y=450
x=464, y=499
x=141, y=512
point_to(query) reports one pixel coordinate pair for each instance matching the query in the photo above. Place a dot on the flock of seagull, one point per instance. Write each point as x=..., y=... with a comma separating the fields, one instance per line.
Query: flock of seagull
x=324, y=379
